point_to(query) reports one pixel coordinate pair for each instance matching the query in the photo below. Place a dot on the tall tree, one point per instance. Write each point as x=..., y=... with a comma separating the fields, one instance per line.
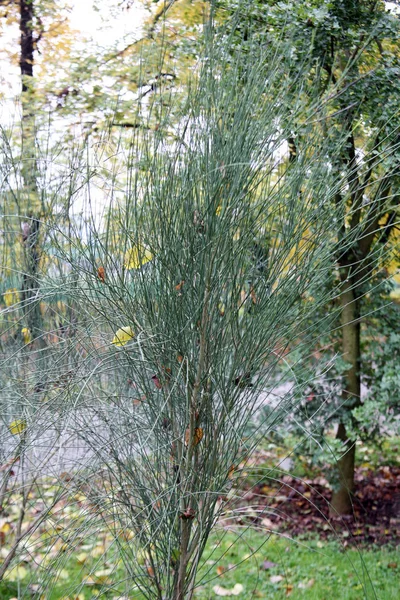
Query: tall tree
x=355, y=69
x=43, y=30
x=30, y=226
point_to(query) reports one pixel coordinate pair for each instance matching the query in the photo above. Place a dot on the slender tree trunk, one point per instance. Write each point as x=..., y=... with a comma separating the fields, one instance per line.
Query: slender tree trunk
x=30, y=206
x=342, y=496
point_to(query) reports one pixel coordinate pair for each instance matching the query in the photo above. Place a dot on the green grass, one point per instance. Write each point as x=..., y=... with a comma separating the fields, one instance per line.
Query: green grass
x=313, y=569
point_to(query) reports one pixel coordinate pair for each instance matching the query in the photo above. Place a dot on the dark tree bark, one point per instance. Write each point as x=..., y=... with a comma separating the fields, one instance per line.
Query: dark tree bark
x=27, y=42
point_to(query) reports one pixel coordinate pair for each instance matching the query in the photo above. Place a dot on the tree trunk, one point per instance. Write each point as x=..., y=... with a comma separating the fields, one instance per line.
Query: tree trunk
x=30, y=206
x=350, y=324
x=341, y=503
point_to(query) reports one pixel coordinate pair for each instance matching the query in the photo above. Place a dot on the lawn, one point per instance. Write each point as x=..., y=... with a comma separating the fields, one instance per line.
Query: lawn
x=246, y=557
x=246, y=564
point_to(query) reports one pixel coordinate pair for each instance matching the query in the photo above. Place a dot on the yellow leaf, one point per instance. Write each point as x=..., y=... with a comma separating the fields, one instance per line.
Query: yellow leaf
x=395, y=294
x=123, y=336
x=141, y=557
x=219, y=210
x=82, y=557
x=5, y=528
x=63, y=574
x=137, y=256
x=18, y=572
x=98, y=551
x=26, y=334
x=11, y=297
x=102, y=576
x=17, y=427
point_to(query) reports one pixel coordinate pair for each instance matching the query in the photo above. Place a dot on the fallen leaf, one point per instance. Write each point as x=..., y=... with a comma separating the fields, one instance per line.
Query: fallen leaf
x=102, y=576
x=5, y=528
x=280, y=498
x=123, y=336
x=82, y=557
x=18, y=572
x=276, y=578
x=221, y=591
x=267, y=564
x=305, y=585
x=289, y=590
x=63, y=574
x=267, y=523
x=220, y=570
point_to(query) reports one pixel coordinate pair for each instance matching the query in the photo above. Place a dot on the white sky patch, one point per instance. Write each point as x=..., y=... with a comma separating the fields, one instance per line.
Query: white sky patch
x=393, y=7
x=90, y=23
x=108, y=27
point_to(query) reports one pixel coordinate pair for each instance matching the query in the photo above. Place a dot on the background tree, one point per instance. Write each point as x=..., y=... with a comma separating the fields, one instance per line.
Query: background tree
x=355, y=69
